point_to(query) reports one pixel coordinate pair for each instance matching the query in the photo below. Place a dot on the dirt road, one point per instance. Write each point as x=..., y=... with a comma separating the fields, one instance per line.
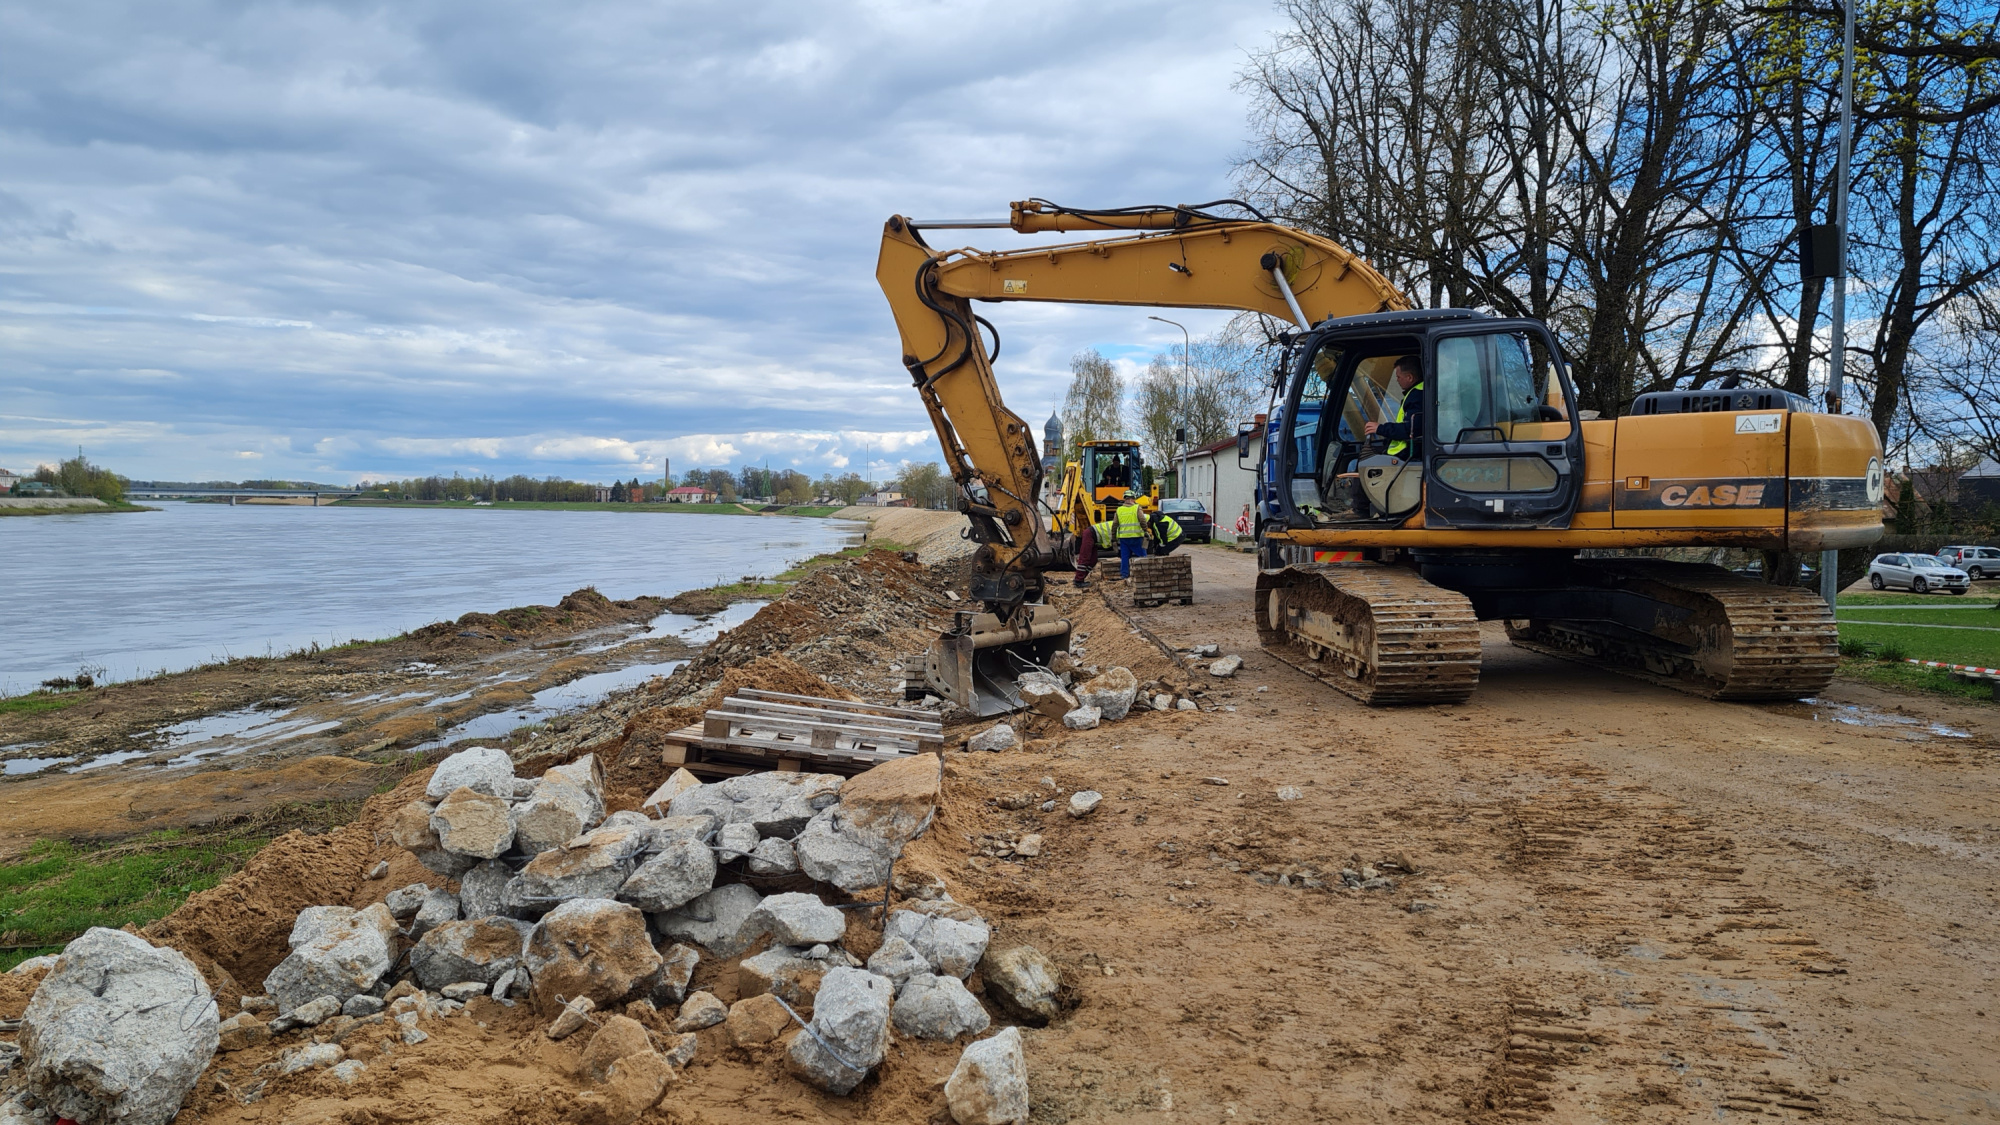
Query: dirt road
x=1630, y=904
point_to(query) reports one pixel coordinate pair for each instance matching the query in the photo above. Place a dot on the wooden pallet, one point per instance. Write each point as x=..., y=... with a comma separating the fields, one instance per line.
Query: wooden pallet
x=768, y=730
x=1159, y=579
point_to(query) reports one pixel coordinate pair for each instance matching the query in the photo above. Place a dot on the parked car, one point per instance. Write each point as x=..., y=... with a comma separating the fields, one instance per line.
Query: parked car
x=1917, y=573
x=1976, y=562
x=1196, y=524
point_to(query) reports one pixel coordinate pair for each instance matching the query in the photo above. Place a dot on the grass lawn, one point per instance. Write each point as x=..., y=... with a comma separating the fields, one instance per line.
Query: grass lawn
x=1952, y=646
x=1956, y=629
x=38, y=701
x=1911, y=677
x=58, y=890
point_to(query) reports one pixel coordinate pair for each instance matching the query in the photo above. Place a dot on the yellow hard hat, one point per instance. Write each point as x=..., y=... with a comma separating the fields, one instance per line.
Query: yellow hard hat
x=1145, y=501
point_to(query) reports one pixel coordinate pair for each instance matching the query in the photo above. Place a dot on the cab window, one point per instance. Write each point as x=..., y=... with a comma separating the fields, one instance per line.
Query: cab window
x=1496, y=387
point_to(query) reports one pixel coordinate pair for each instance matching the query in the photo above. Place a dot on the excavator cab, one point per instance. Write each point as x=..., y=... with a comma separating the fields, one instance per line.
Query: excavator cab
x=1494, y=442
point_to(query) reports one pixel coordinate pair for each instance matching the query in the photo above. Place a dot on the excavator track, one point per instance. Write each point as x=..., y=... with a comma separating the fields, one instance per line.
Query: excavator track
x=1381, y=634
x=1705, y=631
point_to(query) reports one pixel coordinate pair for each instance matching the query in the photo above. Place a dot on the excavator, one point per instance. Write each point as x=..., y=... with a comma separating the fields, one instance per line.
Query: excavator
x=1095, y=484
x=1506, y=503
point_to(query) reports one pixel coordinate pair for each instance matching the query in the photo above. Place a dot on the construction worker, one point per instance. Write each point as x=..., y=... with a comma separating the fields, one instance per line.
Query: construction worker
x=1163, y=532
x=1130, y=528
x=1406, y=430
x=1097, y=538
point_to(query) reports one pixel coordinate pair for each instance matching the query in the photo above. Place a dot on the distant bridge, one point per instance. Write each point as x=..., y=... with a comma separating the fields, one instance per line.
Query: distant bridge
x=148, y=492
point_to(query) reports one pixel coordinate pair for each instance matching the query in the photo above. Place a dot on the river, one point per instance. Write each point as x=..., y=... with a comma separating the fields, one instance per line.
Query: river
x=141, y=593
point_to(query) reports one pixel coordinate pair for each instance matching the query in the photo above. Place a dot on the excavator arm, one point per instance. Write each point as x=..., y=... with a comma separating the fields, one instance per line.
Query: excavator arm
x=1162, y=257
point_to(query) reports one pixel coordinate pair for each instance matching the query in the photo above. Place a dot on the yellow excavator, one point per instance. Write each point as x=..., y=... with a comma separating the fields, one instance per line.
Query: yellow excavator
x=1094, y=484
x=1502, y=501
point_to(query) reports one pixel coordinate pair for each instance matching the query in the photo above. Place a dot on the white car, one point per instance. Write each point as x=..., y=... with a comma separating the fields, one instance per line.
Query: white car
x=1976, y=562
x=1919, y=574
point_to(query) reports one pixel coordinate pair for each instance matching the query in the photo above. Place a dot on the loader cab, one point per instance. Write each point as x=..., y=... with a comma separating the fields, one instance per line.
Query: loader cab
x=1496, y=442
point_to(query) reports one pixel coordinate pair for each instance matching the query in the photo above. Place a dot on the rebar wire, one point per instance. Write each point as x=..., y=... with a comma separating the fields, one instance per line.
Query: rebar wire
x=817, y=1037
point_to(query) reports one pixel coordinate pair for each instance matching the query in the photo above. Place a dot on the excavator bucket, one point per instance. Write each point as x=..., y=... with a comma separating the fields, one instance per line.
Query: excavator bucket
x=974, y=666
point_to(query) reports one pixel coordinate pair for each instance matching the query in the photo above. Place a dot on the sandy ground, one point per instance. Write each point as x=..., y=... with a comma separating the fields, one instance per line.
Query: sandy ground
x=1606, y=901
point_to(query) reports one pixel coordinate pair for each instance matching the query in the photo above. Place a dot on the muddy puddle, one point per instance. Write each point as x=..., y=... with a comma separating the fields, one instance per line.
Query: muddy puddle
x=1857, y=715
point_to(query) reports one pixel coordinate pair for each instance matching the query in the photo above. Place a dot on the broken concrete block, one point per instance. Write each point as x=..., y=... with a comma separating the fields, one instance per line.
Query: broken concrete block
x=474, y=824
x=735, y=841
x=481, y=768
x=989, y=1086
x=779, y=804
x=590, y=947
x=758, y=1019
x=1083, y=718
x=997, y=737
x=1187, y=705
x=439, y=907
x=677, y=965
x=464, y=990
x=1111, y=692
x=345, y=954
x=678, y=874
x=567, y=802
x=117, y=1031
x=680, y=782
x=701, y=1010
x=798, y=919
x=308, y=1056
x=410, y=828
x=894, y=802
x=573, y=1016
x=949, y=936
x=714, y=920
x=614, y=1039
x=773, y=856
x=1023, y=982
x=831, y=852
x=783, y=969
x=851, y=1031
x=482, y=889
x=679, y=1049
x=476, y=949
x=361, y=1005
x=897, y=960
x=1084, y=801
x=592, y=866
x=241, y=1032
x=312, y=1013
x=1226, y=666
x=1045, y=695
x=938, y=1008
x=631, y=1086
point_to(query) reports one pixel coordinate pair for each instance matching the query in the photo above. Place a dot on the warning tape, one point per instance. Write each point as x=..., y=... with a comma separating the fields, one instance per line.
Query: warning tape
x=1964, y=668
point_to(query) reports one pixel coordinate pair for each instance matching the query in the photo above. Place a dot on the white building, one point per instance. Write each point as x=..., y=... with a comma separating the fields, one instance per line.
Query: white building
x=7, y=479
x=1213, y=476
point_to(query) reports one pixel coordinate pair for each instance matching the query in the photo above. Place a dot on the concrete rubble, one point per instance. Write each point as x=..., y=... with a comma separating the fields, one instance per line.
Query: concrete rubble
x=756, y=1019
x=949, y=936
x=989, y=1086
x=1084, y=801
x=701, y=1011
x=849, y=1032
x=117, y=1031
x=1022, y=982
x=337, y=952
x=1045, y=694
x=476, y=949
x=1225, y=667
x=798, y=919
x=482, y=769
x=1111, y=693
x=999, y=736
x=590, y=947
x=1083, y=718
x=713, y=921
x=939, y=1008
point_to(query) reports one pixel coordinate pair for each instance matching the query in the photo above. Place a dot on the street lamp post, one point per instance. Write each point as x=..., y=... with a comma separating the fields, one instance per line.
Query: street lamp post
x=1187, y=371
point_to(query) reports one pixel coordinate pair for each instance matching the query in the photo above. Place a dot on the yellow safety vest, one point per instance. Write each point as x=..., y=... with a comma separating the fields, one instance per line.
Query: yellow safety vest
x=1167, y=528
x=1131, y=521
x=1396, y=447
x=1103, y=531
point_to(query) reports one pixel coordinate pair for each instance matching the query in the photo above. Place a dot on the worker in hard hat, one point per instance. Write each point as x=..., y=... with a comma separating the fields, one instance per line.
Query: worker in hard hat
x=1129, y=527
x=1095, y=538
x=1163, y=532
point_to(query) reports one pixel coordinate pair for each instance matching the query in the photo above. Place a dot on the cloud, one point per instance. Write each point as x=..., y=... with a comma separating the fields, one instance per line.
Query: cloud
x=443, y=236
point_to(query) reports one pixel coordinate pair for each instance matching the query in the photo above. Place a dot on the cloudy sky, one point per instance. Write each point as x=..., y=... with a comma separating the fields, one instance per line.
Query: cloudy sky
x=340, y=241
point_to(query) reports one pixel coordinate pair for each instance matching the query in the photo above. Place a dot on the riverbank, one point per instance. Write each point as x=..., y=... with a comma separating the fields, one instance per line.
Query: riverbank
x=64, y=506
x=805, y=510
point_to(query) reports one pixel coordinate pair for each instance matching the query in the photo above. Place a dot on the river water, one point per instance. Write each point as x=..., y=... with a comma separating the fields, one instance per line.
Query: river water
x=146, y=592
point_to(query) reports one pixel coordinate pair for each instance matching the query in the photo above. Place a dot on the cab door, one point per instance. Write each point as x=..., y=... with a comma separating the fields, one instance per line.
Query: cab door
x=1502, y=443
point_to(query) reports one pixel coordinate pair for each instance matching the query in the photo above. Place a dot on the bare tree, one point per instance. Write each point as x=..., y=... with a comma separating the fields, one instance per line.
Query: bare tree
x=1094, y=408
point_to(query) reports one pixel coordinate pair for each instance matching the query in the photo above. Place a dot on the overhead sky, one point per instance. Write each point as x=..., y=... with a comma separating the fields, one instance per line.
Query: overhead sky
x=343, y=241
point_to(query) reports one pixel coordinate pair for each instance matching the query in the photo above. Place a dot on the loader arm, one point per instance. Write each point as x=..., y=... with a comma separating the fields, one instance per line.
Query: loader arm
x=1162, y=257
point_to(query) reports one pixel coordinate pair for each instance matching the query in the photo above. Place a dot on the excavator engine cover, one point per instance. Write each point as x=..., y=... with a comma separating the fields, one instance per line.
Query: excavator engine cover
x=974, y=666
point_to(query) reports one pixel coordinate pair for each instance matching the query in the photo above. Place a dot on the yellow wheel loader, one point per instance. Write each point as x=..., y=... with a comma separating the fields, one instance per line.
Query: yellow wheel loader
x=1498, y=500
x=1094, y=484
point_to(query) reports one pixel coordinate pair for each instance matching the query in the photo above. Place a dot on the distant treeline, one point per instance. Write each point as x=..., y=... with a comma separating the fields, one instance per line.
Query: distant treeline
x=778, y=486
x=74, y=477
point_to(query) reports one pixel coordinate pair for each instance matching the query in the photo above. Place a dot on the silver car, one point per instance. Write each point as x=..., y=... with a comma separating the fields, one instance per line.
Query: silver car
x=1919, y=574
x=1976, y=562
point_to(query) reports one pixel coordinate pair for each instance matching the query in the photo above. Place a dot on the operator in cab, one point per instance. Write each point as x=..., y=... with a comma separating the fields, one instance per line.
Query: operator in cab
x=1117, y=474
x=1129, y=526
x=1163, y=533
x=1406, y=431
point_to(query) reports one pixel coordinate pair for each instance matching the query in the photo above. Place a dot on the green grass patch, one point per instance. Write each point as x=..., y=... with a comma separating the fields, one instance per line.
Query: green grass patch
x=80, y=510
x=1974, y=617
x=36, y=702
x=1912, y=677
x=58, y=890
x=556, y=506
x=1952, y=646
x=1978, y=596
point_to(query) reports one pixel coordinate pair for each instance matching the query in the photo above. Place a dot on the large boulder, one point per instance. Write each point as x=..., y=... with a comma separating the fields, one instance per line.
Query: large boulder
x=118, y=1031
x=798, y=919
x=615, y=1038
x=481, y=949
x=439, y=907
x=849, y=1033
x=1045, y=695
x=678, y=874
x=475, y=824
x=853, y=843
x=898, y=961
x=592, y=866
x=1112, y=693
x=773, y=857
x=567, y=801
x=832, y=852
x=1023, y=982
x=336, y=952
x=783, y=969
x=778, y=804
x=714, y=921
x=947, y=935
x=410, y=828
x=989, y=1086
x=481, y=768
x=590, y=947
x=938, y=1008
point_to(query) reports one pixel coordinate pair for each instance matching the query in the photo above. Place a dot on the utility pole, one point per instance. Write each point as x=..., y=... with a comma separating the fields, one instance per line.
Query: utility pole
x=1829, y=561
x=1187, y=376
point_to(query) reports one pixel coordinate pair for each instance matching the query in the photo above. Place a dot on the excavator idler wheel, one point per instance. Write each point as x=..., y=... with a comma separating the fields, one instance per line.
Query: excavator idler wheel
x=1381, y=634
x=1711, y=633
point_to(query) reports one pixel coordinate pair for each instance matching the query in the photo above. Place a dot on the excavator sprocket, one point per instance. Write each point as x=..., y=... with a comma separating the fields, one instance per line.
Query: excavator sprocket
x=1705, y=631
x=1381, y=634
